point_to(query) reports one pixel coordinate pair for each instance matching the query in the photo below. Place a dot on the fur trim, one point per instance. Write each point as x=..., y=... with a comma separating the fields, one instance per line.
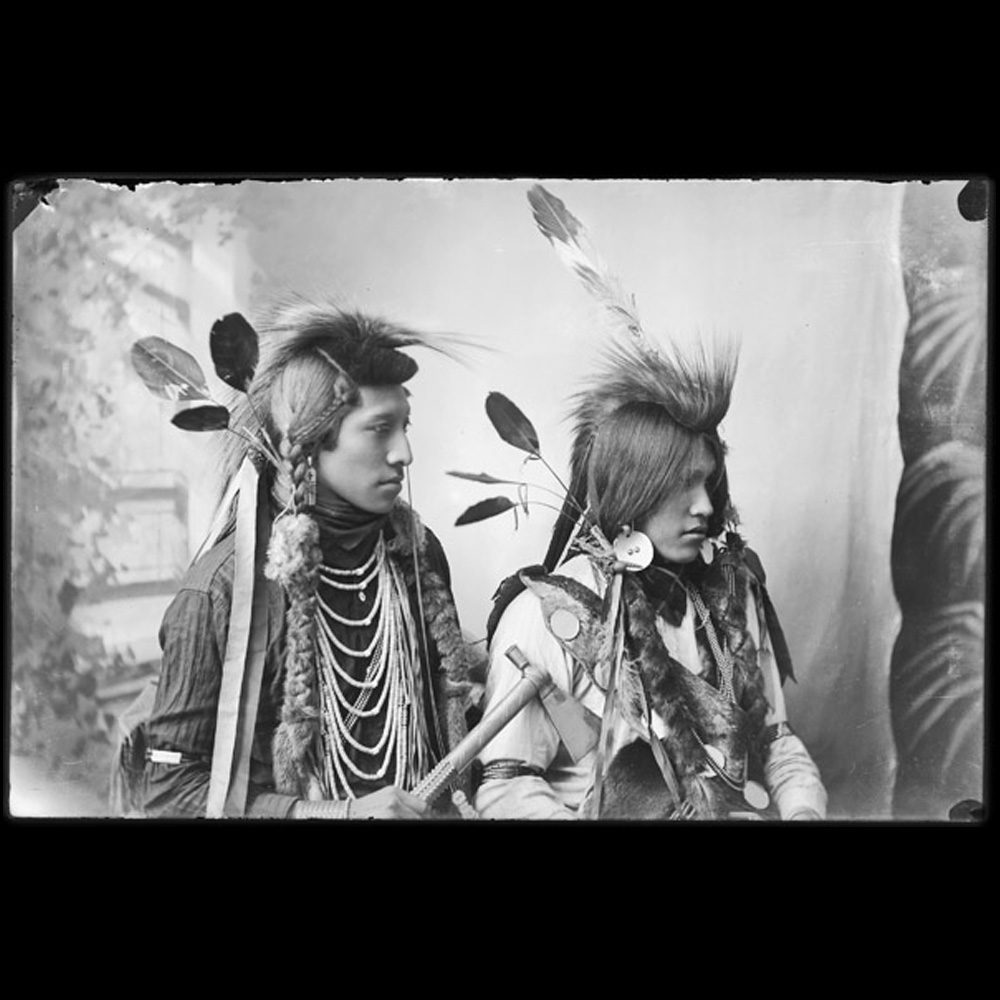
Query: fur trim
x=450, y=682
x=688, y=704
x=367, y=347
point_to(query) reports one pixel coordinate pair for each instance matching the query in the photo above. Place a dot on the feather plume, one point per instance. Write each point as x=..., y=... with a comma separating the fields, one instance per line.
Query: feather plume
x=511, y=424
x=576, y=250
x=235, y=350
x=694, y=386
x=202, y=418
x=484, y=509
x=168, y=371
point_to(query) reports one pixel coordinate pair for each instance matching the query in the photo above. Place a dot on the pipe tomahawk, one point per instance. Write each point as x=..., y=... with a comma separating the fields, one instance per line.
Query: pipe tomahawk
x=534, y=682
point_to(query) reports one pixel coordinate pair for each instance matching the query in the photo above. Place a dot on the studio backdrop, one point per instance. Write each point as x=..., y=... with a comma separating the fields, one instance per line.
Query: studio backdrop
x=809, y=275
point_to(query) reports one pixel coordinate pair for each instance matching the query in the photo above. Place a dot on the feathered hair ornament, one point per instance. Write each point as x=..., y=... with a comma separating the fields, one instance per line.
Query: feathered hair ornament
x=693, y=386
x=366, y=347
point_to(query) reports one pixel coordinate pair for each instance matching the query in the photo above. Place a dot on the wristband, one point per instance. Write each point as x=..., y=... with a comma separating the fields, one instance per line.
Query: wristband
x=775, y=731
x=338, y=809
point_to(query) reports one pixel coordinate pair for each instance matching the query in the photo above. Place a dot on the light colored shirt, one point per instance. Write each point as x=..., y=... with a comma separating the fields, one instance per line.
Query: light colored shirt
x=531, y=738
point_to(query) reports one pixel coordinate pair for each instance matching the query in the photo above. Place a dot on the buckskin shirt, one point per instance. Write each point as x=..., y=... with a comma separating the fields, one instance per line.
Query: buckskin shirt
x=541, y=781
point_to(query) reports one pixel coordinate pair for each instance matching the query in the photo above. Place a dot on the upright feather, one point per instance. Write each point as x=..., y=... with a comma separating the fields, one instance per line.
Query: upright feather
x=576, y=250
x=235, y=350
x=693, y=386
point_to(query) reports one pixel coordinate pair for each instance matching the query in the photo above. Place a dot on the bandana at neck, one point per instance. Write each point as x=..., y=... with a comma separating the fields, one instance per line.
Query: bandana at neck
x=344, y=524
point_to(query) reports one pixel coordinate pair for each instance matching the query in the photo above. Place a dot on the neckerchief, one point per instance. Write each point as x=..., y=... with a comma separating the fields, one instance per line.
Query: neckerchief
x=344, y=524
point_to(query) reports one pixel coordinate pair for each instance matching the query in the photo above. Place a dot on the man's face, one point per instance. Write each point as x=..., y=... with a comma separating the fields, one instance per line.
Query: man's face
x=677, y=528
x=365, y=466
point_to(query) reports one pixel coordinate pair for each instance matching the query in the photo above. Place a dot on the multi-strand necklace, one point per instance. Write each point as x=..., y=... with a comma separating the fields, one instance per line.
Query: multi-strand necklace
x=389, y=685
x=723, y=658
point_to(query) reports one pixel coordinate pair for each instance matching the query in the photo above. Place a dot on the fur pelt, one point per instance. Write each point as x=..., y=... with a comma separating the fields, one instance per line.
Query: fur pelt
x=693, y=710
x=450, y=681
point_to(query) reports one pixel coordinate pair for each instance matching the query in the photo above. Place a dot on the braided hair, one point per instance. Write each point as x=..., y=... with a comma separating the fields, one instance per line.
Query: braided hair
x=315, y=357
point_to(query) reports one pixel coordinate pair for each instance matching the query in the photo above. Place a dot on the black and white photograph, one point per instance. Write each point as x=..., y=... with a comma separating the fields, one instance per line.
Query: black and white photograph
x=498, y=499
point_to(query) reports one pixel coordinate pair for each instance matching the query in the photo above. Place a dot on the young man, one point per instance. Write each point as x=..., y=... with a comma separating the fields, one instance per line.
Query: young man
x=351, y=676
x=658, y=624
x=701, y=658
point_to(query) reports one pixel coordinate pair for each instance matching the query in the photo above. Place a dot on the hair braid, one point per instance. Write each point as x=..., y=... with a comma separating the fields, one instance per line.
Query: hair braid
x=301, y=474
x=294, y=559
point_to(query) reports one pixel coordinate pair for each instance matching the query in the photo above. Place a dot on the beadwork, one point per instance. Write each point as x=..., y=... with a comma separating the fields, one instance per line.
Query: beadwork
x=392, y=679
x=722, y=657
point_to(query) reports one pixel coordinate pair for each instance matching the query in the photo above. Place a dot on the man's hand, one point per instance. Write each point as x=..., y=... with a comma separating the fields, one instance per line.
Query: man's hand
x=805, y=814
x=388, y=803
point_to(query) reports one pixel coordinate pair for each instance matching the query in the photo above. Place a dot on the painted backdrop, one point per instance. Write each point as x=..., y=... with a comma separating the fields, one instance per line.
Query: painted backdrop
x=806, y=273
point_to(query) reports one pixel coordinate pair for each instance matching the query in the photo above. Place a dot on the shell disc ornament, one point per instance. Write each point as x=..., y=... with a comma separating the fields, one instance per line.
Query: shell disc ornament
x=755, y=795
x=564, y=624
x=633, y=549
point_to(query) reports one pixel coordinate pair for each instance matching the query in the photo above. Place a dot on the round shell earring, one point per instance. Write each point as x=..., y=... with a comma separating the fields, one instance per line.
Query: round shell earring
x=633, y=549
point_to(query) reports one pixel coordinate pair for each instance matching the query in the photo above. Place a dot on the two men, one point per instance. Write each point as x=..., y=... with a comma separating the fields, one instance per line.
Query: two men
x=653, y=618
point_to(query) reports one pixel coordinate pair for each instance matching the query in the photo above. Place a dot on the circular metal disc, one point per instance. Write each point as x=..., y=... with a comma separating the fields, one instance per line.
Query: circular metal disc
x=755, y=795
x=635, y=550
x=564, y=624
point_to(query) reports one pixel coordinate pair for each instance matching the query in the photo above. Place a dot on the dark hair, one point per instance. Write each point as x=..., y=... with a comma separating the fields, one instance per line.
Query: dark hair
x=313, y=360
x=639, y=457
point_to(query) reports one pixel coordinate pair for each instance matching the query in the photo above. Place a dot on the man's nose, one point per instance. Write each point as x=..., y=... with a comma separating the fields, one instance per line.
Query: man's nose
x=701, y=505
x=400, y=453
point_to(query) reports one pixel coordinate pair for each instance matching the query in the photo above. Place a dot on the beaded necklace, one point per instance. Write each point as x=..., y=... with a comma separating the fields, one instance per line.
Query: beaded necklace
x=723, y=658
x=391, y=678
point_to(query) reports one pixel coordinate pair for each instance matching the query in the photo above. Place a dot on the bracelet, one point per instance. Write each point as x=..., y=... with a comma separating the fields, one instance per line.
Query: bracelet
x=339, y=809
x=504, y=769
x=775, y=731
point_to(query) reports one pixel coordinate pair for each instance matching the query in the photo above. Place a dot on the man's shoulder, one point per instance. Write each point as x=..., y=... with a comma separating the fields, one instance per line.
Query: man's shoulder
x=513, y=592
x=582, y=569
x=403, y=522
x=213, y=571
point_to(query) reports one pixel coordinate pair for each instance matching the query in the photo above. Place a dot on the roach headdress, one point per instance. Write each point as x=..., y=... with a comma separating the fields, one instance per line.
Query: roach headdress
x=693, y=386
x=366, y=347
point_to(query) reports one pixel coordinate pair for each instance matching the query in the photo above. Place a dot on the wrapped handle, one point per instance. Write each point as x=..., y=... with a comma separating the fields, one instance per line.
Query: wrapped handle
x=534, y=681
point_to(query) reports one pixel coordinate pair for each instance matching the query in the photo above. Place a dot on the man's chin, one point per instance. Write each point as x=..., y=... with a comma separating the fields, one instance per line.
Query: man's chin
x=380, y=506
x=681, y=554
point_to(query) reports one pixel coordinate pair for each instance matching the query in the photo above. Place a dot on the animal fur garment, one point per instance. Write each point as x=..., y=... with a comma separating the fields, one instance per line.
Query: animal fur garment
x=693, y=710
x=451, y=685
